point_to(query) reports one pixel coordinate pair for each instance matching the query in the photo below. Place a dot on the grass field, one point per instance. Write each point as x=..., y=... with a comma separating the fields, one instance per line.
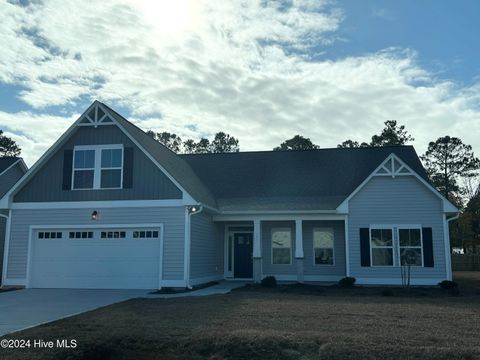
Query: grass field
x=289, y=322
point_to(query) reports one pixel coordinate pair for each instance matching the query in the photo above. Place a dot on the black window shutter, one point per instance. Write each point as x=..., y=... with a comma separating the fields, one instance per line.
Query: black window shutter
x=127, y=168
x=365, y=246
x=427, y=247
x=67, y=169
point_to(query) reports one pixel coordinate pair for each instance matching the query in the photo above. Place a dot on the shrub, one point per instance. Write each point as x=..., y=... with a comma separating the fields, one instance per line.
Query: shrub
x=387, y=292
x=347, y=281
x=269, y=282
x=447, y=284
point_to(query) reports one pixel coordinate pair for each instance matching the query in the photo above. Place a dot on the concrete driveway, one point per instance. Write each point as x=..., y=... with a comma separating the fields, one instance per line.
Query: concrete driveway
x=22, y=309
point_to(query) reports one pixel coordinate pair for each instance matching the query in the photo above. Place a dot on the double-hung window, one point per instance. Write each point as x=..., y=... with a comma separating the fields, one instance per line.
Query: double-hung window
x=281, y=246
x=111, y=168
x=381, y=245
x=97, y=167
x=323, y=241
x=83, y=169
x=410, y=245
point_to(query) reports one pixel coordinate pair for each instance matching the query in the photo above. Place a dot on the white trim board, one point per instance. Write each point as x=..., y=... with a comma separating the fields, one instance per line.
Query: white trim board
x=279, y=217
x=100, y=204
x=448, y=207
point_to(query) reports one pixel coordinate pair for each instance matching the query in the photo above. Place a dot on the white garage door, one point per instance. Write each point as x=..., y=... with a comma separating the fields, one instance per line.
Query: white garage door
x=100, y=258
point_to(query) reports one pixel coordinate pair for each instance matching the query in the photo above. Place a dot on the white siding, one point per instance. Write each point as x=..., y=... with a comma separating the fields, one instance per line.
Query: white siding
x=401, y=200
x=172, y=218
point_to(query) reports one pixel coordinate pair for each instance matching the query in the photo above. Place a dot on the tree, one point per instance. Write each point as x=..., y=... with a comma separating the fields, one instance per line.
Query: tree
x=447, y=159
x=351, y=144
x=223, y=143
x=298, y=142
x=170, y=140
x=8, y=147
x=189, y=146
x=202, y=146
x=391, y=135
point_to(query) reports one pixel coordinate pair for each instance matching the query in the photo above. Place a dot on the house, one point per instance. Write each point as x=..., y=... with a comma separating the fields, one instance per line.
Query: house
x=11, y=170
x=109, y=207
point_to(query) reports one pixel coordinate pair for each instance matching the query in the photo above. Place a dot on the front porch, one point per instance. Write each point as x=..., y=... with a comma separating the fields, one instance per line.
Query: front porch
x=307, y=248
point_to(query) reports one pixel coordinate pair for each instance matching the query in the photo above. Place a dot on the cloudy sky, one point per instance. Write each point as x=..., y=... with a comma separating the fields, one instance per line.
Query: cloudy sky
x=262, y=71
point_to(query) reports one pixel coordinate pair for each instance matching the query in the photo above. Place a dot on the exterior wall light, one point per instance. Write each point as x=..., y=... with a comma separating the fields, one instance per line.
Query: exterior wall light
x=94, y=215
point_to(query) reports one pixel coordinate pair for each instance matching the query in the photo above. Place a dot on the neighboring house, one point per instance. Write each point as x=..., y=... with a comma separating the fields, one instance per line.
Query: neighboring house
x=11, y=170
x=109, y=207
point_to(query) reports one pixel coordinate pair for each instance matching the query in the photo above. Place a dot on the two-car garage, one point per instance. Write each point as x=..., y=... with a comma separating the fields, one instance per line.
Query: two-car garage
x=108, y=257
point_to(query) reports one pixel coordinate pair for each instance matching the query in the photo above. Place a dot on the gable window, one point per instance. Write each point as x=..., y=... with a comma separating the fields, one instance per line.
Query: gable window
x=83, y=169
x=410, y=245
x=281, y=246
x=323, y=241
x=111, y=169
x=97, y=167
x=381, y=245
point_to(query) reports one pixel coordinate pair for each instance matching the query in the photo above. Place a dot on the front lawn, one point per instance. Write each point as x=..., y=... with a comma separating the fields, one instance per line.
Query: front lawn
x=285, y=323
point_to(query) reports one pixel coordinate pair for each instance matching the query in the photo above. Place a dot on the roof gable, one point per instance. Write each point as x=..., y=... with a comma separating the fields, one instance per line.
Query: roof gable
x=98, y=114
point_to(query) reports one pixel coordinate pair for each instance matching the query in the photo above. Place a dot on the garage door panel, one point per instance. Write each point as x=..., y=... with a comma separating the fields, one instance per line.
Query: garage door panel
x=96, y=262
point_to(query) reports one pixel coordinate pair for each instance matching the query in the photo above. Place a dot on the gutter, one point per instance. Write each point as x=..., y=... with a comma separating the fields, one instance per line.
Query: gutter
x=189, y=211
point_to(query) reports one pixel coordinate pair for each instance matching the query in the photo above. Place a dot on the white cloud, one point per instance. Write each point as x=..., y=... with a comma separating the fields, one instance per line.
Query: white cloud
x=237, y=66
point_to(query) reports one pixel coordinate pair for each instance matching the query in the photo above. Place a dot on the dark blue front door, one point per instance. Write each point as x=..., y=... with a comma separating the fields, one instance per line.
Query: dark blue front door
x=243, y=250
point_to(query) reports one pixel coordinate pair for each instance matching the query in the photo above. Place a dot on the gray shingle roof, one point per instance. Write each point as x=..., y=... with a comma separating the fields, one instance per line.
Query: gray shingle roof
x=271, y=180
x=6, y=162
x=292, y=180
x=173, y=164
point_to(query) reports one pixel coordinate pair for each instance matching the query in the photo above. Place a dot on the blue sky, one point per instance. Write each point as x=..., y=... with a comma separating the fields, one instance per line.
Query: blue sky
x=444, y=33
x=262, y=71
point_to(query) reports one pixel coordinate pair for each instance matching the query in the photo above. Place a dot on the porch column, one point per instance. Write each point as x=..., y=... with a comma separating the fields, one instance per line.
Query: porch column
x=257, y=252
x=299, y=249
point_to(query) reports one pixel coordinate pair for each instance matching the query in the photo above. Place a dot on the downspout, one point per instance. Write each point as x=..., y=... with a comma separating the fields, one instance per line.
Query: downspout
x=447, y=245
x=189, y=211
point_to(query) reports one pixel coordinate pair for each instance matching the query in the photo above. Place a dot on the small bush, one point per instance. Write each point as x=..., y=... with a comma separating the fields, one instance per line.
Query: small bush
x=447, y=284
x=347, y=281
x=387, y=292
x=269, y=282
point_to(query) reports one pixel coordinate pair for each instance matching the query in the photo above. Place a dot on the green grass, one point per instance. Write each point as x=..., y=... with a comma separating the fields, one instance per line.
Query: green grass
x=289, y=322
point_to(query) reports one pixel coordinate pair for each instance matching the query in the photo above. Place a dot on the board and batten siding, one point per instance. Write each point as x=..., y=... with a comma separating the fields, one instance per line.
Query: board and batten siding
x=396, y=201
x=206, y=249
x=309, y=266
x=172, y=218
x=149, y=182
x=10, y=178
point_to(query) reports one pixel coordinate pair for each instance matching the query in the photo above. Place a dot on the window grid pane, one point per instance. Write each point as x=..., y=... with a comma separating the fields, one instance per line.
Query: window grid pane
x=381, y=243
x=281, y=246
x=410, y=243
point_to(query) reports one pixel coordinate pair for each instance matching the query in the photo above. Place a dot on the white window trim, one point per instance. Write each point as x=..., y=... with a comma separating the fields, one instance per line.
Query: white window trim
x=382, y=227
x=410, y=227
x=97, y=169
x=271, y=243
x=333, y=247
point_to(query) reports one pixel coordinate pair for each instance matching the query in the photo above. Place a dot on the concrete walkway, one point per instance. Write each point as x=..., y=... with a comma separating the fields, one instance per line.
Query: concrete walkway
x=223, y=287
x=22, y=309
